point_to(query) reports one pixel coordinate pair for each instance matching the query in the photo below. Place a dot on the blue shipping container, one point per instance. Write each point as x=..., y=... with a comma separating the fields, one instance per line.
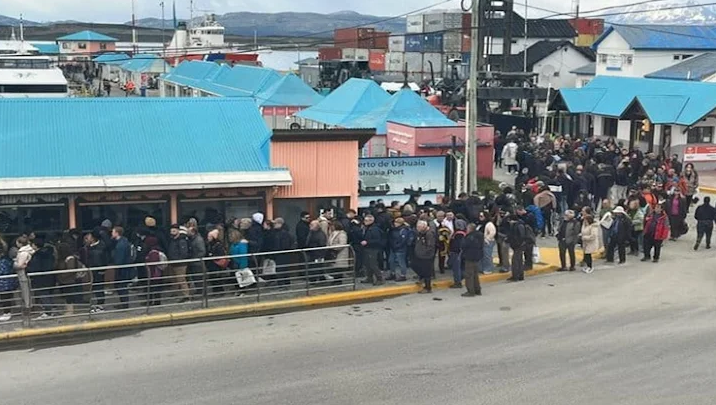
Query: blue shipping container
x=414, y=42
x=433, y=42
x=466, y=58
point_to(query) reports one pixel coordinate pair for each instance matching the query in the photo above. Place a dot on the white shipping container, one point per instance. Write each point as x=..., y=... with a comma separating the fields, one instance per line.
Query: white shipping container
x=356, y=54
x=414, y=24
x=436, y=22
x=436, y=59
x=452, y=42
x=396, y=43
x=414, y=61
x=395, y=61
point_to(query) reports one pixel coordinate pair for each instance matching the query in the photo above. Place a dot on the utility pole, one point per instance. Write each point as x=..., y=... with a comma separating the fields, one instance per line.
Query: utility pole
x=164, y=41
x=472, y=103
x=134, y=29
x=524, y=47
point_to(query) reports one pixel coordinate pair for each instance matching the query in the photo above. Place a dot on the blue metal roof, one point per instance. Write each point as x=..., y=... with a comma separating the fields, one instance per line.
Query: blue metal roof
x=251, y=79
x=664, y=101
x=47, y=49
x=89, y=36
x=352, y=100
x=132, y=136
x=590, y=69
x=655, y=36
x=145, y=63
x=404, y=107
x=113, y=58
x=696, y=68
x=289, y=91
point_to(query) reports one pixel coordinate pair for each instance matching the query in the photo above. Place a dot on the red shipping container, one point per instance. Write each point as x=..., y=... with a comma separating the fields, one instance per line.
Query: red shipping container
x=376, y=62
x=351, y=37
x=466, y=22
x=466, y=42
x=381, y=39
x=330, y=53
x=588, y=26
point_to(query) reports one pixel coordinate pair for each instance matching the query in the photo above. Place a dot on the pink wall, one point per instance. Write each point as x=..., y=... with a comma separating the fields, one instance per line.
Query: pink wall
x=72, y=47
x=318, y=169
x=406, y=140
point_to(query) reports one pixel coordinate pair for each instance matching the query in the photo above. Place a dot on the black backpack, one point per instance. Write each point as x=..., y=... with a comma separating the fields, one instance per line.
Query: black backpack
x=43, y=260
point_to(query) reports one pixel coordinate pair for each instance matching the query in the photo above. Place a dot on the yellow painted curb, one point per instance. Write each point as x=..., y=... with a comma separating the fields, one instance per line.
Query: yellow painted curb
x=707, y=190
x=209, y=313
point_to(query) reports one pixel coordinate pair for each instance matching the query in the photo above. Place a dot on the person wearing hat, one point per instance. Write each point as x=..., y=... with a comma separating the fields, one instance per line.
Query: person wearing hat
x=303, y=229
x=161, y=236
x=178, y=250
x=619, y=235
x=400, y=238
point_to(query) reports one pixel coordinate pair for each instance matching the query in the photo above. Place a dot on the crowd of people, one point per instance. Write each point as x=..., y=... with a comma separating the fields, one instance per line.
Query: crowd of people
x=588, y=192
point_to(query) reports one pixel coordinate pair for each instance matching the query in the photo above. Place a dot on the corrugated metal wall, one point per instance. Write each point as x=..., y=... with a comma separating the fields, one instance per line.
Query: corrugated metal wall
x=319, y=169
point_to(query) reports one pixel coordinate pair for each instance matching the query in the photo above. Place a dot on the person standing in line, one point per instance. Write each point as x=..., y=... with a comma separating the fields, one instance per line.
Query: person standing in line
x=24, y=254
x=517, y=240
x=121, y=256
x=676, y=210
x=636, y=216
x=489, y=231
x=692, y=184
x=195, y=269
x=317, y=239
x=42, y=261
x=96, y=257
x=473, y=253
x=590, y=242
x=339, y=256
x=605, y=221
x=400, y=238
x=284, y=242
x=705, y=216
x=547, y=203
x=509, y=156
x=302, y=230
x=179, y=250
x=424, y=255
x=373, y=246
x=568, y=235
x=456, y=262
x=656, y=231
x=619, y=234
x=443, y=242
x=7, y=285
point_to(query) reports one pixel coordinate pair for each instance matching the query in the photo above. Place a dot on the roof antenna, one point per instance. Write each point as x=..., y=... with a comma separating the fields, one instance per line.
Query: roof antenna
x=688, y=75
x=12, y=35
x=405, y=77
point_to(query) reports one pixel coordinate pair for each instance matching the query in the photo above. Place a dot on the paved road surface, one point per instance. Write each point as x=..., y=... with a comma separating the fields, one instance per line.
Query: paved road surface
x=637, y=334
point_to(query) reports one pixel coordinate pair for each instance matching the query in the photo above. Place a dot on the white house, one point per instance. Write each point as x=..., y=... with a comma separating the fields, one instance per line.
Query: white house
x=637, y=50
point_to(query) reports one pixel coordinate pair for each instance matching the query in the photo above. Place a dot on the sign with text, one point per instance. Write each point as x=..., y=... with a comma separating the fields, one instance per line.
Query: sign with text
x=399, y=178
x=700, y=153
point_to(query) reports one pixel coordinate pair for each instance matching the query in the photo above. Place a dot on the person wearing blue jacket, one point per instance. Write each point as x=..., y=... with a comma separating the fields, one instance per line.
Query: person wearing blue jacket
x=373, y=244
x=121, y=256
x=399, y=239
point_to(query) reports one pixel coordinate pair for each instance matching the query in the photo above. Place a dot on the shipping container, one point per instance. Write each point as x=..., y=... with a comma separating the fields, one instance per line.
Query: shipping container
x=447, y=57
x=376, y=61
x=395, y=61
x=452, y=42
x=330, y=53
x=586, y=39
x=397, y=43
x=353, y=37
x=414, y=24
x=381, y=40
x=442, y=22
x=414, y=61
x=466, y=58
x=466, y=42
x=414, y=43
x=588, y=26
x=437, y=61
x=356, y=54
x=466, y=23
x=432, y=42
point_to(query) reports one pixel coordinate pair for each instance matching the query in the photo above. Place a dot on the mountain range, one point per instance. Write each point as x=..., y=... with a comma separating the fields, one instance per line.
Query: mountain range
x=290, y=23
x=665, y=13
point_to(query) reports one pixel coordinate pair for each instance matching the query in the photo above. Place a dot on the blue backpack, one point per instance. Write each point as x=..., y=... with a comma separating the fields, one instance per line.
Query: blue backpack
x=6, y=269
x=538, y=215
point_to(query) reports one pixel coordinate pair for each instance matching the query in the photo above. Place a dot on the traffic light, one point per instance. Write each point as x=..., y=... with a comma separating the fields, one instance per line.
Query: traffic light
x=645, y=125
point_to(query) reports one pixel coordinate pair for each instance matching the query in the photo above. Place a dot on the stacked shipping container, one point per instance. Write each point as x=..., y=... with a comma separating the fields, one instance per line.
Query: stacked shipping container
x=359, y=44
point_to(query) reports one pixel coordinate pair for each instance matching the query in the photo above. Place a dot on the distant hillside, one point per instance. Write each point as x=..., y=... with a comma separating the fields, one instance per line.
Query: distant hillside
x=5, y=20
x=289, y=24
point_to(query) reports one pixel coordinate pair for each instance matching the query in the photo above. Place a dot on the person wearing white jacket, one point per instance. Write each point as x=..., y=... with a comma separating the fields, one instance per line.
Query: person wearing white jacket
x=24, y=254
x=490, y=231
x=509, y=156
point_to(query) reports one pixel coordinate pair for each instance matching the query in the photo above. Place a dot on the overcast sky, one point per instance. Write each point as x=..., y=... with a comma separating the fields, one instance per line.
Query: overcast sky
x=120, y=10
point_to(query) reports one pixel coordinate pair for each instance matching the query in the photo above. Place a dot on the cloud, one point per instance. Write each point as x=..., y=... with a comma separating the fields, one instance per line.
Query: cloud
x=120, y=10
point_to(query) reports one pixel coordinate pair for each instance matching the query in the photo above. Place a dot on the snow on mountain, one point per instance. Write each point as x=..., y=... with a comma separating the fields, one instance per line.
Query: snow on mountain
x=665, y=13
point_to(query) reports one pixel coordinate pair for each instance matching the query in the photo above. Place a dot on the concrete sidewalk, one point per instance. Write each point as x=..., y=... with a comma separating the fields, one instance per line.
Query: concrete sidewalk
x=549, y=259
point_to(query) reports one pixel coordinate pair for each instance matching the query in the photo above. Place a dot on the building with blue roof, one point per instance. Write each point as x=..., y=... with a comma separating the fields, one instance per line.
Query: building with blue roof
x=109, y=64
x=141, y=69
x=87, y=159
x=655, y=114
x=47, y=49
x=83, y=45
x=277, y=95
x=638, y=50
x=699, y=68
x=352, y=100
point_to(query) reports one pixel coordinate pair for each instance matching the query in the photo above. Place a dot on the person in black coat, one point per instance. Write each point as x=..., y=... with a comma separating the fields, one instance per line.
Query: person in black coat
x=302, y=229
x=619, y=235
x=42, y=261
x=373, y=243
x=473, y=251
x=316, y=239
x=705, y=216
x=282, y=242
x=255, y=234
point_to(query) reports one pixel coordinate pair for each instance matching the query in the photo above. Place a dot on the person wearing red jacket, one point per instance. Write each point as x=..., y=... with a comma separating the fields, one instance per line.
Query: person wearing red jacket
x=656, y=231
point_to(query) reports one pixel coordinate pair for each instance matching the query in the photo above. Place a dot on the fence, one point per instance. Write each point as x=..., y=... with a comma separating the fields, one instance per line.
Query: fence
x=162, y=286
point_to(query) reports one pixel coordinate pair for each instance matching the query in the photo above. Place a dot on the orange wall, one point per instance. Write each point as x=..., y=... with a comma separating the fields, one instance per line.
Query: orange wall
x=319, y=169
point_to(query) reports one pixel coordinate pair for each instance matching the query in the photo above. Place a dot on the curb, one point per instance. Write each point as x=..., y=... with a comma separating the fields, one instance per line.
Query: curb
x=203, y=315
x=707, y=190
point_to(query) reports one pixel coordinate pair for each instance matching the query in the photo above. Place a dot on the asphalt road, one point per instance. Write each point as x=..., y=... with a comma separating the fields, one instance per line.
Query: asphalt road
x=635, y=334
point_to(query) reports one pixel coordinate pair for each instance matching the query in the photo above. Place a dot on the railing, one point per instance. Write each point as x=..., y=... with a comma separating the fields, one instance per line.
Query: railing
x=144, y=288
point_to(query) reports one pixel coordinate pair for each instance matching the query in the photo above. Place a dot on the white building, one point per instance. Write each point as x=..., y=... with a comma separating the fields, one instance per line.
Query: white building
x=637, y=50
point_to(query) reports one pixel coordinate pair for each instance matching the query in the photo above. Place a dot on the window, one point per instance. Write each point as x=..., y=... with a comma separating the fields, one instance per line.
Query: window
x=556, y=74
x=393, y=153
x=610, y=126
x=218, y=210
x=32, y=88
x=585, y=82
x=602, y=58
x=81, y=45
x=45, y=218
x=682, y=56
x=700, y=135
x=129, y=215
x=628, y=59
x=65, y=45
x=103, y=46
